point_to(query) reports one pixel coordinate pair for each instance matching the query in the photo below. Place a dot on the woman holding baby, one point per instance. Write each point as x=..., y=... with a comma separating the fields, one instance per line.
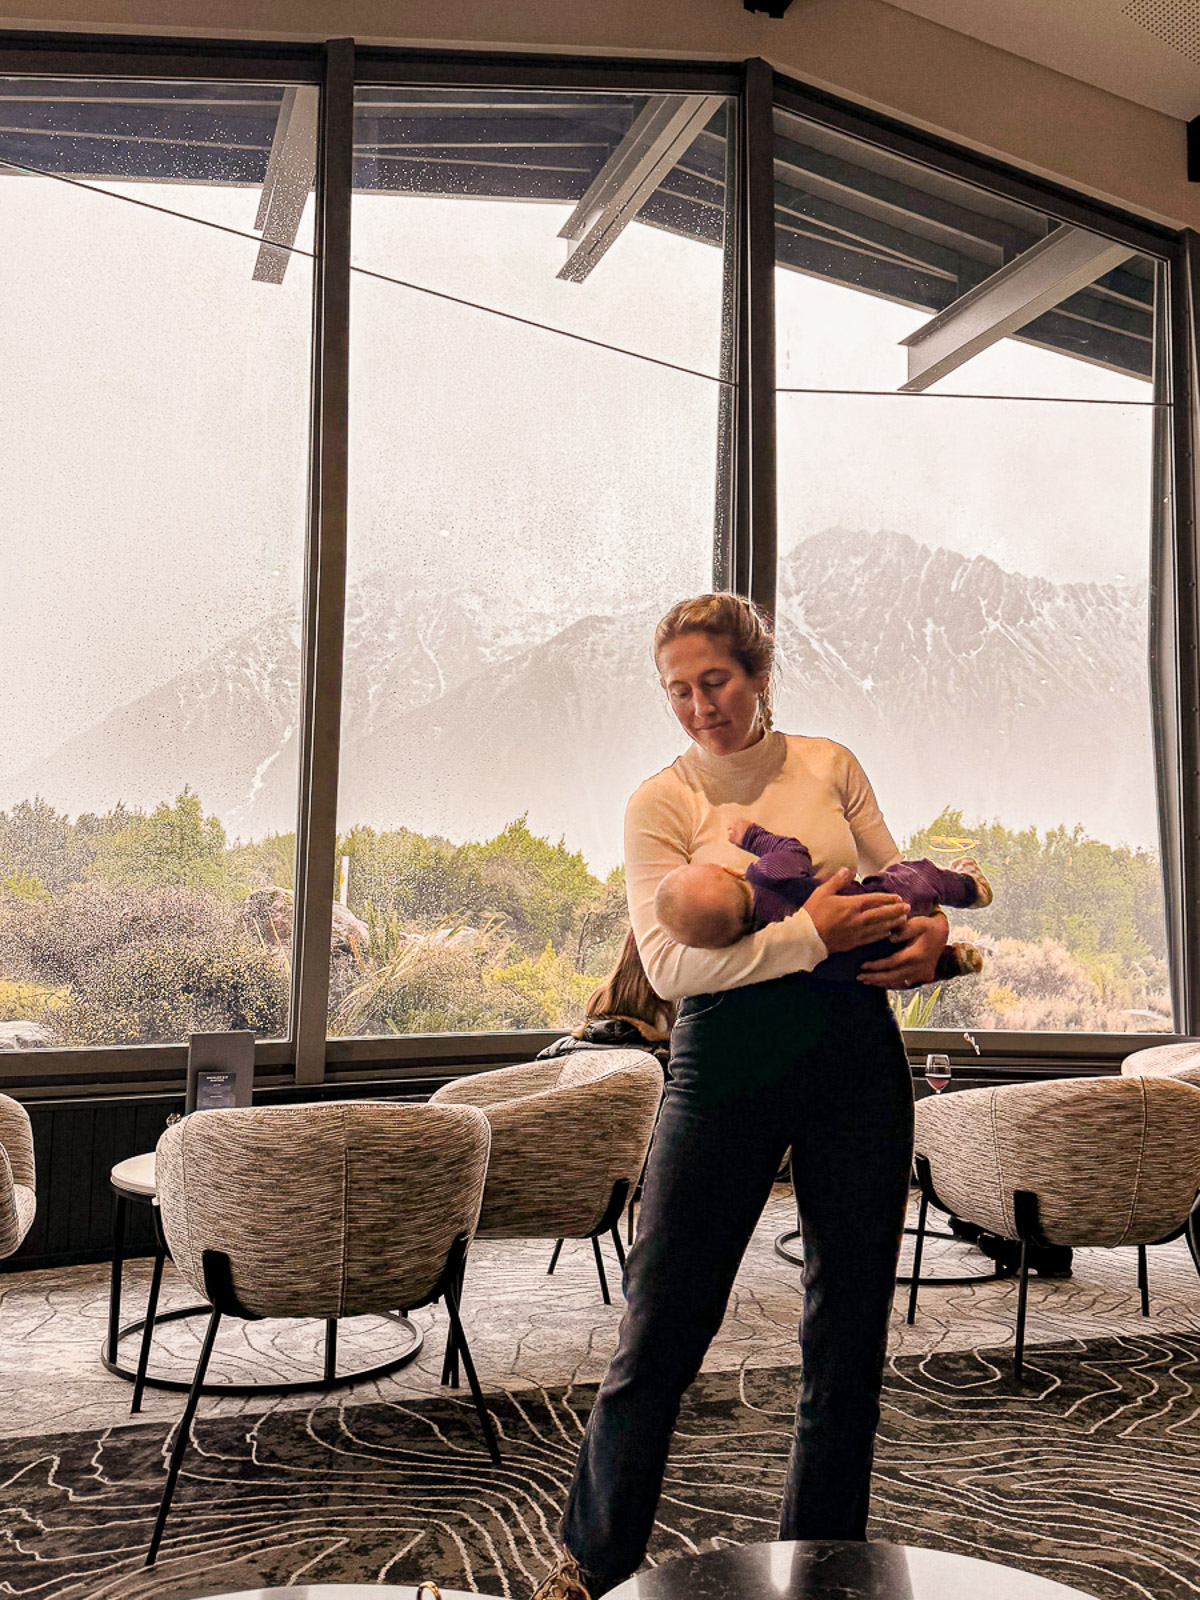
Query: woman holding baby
x=764, y=1056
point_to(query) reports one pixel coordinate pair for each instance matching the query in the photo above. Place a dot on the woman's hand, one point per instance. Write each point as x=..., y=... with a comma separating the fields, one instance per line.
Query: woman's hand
x=917, y=952
x=846, y=921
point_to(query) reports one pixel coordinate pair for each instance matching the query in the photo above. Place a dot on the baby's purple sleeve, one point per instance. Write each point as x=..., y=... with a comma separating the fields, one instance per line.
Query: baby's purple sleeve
x=761, y=843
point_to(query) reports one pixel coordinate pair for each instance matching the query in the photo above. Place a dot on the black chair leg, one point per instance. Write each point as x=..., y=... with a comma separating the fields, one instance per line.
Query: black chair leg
x=450, y=1359
x=554, y=1258
x=918, y=1247
x=114, y=1290
x=181, y=1437
x=1143, y=1280
x=331, y=1349
x=600, y=1269
x=139, y=1383
x=618, y=1246
x=1193, y=1243
x=450, y=1376
x=1022, y=1296
x=460, y=1345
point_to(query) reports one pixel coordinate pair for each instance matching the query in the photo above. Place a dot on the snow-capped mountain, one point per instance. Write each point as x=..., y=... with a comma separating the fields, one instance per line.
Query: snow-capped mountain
x=958, y=683
x=954, y=681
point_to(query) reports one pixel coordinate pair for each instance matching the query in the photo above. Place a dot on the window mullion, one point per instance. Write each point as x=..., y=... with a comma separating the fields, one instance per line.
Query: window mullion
x=326, y=587
x=756, y=544
x=1175, y=647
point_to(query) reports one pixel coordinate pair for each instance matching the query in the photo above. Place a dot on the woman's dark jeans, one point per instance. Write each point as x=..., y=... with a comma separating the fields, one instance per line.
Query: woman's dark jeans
x=754, y=1070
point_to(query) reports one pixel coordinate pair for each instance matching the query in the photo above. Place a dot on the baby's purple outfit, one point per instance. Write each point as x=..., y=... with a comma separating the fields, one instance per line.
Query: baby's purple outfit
x=782, y=880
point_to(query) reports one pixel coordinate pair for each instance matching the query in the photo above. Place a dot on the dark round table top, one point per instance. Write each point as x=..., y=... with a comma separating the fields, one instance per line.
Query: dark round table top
x=811, y=1571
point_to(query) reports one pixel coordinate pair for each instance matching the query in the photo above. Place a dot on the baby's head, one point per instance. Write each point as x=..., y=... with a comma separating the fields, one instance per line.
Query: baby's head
x=704, y=905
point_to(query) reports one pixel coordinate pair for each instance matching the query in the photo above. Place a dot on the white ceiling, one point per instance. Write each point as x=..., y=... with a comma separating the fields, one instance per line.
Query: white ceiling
x=1147, y=51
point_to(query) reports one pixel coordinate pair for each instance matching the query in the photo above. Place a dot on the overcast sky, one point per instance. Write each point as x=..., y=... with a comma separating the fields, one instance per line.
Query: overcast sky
x=154, y=413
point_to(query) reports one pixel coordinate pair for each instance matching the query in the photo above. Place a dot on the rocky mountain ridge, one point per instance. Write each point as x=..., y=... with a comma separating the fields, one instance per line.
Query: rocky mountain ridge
x=955, y=681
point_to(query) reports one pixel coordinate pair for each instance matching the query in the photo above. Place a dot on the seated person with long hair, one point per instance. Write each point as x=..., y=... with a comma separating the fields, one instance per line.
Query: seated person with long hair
x=622, y=1012
x=709, y=906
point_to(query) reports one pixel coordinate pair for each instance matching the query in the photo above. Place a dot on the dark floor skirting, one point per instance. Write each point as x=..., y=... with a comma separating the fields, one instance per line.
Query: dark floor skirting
x=1088, y=1473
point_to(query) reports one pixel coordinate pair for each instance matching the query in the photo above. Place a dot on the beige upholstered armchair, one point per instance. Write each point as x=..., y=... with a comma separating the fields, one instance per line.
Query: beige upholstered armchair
x=321, y=1211
x=569, y=1136
x=1082, y=1161
x=18, y=1180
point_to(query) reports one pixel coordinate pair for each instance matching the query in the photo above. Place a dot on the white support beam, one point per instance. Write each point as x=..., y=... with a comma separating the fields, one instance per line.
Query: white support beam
x=1043, y=276
x=659, y=136
x=291, y=168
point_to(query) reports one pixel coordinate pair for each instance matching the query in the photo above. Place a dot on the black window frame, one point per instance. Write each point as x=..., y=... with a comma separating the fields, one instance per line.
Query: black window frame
x=307, y=1058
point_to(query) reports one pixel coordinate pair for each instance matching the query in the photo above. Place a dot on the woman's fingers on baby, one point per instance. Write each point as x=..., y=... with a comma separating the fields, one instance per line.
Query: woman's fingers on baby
x=881, y=912
x=828, y=887
x=846, y=921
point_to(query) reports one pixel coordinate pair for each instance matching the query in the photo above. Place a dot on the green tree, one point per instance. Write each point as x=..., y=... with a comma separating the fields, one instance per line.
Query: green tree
x=259, y=863
x=541, y=888
x=36, y=841
x=176, y=844
x=1097, y=900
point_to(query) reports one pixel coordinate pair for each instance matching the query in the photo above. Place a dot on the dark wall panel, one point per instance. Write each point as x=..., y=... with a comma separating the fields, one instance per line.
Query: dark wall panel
x=76, y=1145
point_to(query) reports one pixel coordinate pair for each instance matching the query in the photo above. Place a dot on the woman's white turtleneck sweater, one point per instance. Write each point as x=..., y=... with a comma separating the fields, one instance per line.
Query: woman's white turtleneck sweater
x=811, y=789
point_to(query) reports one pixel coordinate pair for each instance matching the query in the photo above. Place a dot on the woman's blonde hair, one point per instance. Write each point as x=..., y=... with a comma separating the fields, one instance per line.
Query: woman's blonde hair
x=726, y=616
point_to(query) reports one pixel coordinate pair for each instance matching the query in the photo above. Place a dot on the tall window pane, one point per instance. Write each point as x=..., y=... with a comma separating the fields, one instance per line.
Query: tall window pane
x=966, y=507
x=538, y=396
x=155, y=251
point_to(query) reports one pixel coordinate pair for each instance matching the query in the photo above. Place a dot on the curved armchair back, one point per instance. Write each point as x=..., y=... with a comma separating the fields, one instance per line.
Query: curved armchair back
x=565, y=1132
x=1112, y=1161
x=1165, y=1060
x=18, y=1176
x=323, y=1210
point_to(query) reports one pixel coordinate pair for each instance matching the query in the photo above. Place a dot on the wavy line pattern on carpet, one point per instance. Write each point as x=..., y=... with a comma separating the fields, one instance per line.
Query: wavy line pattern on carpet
x=1089, y=1474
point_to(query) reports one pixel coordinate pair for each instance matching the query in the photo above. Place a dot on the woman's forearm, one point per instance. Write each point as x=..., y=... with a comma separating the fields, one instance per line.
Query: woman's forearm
x=677, y=971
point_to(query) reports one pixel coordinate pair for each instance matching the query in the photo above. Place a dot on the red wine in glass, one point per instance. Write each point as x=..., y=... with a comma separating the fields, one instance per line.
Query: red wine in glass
x=937, y=1072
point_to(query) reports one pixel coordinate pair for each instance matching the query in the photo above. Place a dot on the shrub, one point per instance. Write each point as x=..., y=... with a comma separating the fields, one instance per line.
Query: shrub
x=1039, y=985
x=60, y=941
x=539, y=992
x=159, y=993
x=425, y=983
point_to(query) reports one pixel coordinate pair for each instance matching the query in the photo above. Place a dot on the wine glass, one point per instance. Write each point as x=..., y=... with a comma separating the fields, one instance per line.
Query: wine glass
x=937, y=1072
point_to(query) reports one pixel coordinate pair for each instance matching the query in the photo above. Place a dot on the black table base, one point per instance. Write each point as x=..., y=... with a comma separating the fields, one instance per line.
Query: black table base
x=996, y=1272
x=254, y=1386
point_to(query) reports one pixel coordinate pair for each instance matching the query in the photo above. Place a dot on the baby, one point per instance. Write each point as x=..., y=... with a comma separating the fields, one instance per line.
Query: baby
x=710, y=906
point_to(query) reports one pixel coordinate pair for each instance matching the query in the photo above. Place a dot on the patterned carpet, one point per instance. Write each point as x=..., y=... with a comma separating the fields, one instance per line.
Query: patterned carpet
x=1089, y=1473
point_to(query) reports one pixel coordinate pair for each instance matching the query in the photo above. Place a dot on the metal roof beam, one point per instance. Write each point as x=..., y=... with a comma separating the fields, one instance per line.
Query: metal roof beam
x=659, y=136
x=1058, y=266
x=291, y=168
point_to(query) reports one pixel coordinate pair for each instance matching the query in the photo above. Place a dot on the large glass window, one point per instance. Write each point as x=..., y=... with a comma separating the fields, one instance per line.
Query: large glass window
x=966, y=446
x=155, y=253
x=548, y=321
x=539, y=375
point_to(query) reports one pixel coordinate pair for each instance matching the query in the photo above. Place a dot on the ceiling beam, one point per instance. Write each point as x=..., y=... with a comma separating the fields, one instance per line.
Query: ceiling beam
x=1058, y=266
x=659, y=136
x=291, y=168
